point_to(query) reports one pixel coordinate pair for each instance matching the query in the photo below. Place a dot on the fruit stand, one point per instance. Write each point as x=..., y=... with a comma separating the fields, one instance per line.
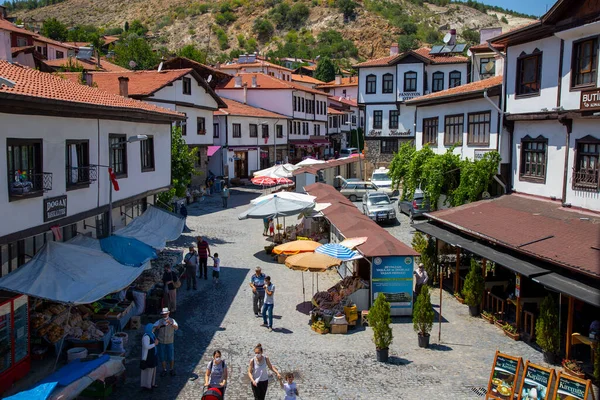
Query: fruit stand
x=334, y=304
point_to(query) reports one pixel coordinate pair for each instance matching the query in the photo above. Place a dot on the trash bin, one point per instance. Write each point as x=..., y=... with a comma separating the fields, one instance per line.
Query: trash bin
x=217, y=185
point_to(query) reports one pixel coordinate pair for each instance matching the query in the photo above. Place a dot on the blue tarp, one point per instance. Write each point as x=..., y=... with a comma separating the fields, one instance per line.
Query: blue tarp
x=74, y=370
x=40, y=392
x=155, y=227
x=127, y=251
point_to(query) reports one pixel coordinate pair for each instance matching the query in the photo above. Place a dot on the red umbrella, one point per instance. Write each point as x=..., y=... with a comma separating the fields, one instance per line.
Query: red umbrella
x=283, y=181
x=263, y=181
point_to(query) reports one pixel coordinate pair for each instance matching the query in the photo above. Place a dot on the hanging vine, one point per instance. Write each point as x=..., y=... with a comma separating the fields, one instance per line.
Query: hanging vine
x=475, y=177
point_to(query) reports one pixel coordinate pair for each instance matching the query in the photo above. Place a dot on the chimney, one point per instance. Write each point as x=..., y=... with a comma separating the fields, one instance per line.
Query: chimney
x=237, y=81
x=87, y=78
x=245, y=93
x=338, y=79
x=124, y=86
x=254, y=84
x=452, y=41
x=394, y=49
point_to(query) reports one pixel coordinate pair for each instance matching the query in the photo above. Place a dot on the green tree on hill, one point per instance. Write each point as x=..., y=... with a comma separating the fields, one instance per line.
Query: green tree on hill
x=193, y=53
x=136, y=49
x=325, y=70
x=54, y=29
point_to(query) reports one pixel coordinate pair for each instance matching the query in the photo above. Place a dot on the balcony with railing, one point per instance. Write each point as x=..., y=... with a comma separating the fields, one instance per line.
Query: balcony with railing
x=78, y=177
x=586, y=180
x=23, y=184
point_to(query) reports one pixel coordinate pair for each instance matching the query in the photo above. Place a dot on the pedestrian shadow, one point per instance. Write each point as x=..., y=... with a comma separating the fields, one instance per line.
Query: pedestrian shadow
x=398, y=361
x=282, y=330
x=264, y=257
x=439, y=347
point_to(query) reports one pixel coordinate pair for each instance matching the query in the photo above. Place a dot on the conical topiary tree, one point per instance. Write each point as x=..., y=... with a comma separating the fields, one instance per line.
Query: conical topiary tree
x=474, y=285
x=380, y=318
x=546, y=328
x=423, y=313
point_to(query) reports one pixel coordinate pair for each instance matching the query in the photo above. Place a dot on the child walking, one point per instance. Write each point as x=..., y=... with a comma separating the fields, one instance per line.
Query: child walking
x=271, y=228
x=216, y=268
x=291, y=391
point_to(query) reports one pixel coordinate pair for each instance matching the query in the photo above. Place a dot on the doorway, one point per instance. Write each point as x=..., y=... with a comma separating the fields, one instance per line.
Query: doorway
x=241, y=164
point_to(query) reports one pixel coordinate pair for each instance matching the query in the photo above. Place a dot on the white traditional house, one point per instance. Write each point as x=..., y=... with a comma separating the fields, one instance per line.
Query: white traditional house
x=345, y=87
x=16, y=44
x=182, y=90
x=305, y=80
x=53, y=49
x=487, y=61
x=250, y=63
x=58, y=139
x=553, y=104
x=306, y=108
x=385, y=84
x=247, y=139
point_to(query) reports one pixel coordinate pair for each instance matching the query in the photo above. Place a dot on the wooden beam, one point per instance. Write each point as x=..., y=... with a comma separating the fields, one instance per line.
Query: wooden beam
x=570, y=312
x=483, y=269
x=457, y=274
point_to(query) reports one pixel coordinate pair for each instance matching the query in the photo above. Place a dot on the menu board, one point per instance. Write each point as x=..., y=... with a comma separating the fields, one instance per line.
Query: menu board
x=5, y=337
x=571, y=388
x=21, y=327
x=503, y=379
x=536, y=383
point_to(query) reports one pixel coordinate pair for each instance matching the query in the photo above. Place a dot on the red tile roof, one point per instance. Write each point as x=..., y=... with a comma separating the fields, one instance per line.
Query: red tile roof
x=346, y=81
x=333, y=111
x=352, y=223
x=43, y=39
x=110, y=39
x=78, y=44
x=483, y=47
x=440, y=58
x=457, y=91
x=16, y=50
x=237, y=108
x=378, y=62
x=538, y=228
x=257, y=64
x=9, y=26
x=88, y=65
x=305, y=79
x=313, y=169
x=36, y=85
x=422, y=53
x=268, y=82
x=350, y=102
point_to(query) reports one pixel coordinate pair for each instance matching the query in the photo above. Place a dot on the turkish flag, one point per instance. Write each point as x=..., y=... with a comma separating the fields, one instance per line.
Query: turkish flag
x=113, y=179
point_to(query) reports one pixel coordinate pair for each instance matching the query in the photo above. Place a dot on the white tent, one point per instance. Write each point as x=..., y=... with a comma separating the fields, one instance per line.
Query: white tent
x=277, y=171
x=285, y=195
x=310, y=161
x=155, y=227
x=69, y=273
x=277, y=207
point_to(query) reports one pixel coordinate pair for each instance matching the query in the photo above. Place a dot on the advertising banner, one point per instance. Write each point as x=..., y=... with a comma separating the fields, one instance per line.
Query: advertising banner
x=503, y=379
x=536, y=383
x=571, y=388
x=393, y=276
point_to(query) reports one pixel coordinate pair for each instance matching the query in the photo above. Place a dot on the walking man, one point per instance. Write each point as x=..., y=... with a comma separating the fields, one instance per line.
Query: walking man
x=257, y=283
x=169, y=279
x=225, y=196
x=191, y=267
x=421, y=278
x=165, y=328
x=203, y=254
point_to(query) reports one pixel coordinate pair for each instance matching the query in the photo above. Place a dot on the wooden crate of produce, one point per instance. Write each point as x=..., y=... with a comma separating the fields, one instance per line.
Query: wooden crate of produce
x=339, y=328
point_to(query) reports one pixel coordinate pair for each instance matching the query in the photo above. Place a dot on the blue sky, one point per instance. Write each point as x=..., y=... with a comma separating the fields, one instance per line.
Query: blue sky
x=534, y=7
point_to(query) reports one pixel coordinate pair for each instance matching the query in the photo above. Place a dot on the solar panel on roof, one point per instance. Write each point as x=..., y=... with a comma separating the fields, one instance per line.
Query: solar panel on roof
x=436, y=49
x=459, y=48
x=447, y=49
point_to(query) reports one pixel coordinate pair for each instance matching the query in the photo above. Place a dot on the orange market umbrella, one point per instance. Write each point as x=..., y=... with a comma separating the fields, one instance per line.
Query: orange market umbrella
x=297, y=246
x=352, y=243
x=313, y=262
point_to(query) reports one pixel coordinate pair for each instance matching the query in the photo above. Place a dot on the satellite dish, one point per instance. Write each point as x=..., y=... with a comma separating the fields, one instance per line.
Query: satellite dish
x=489, y=66
x=485, y=195
x=160, y=66
x=447, y=37
x=469, y=53
x=132, y=64
x=209, y=78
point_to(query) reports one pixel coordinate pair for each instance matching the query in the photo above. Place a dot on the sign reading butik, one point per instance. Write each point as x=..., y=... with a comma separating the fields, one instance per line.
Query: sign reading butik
x=393, y=276
x=55, y=208
x=590, y=100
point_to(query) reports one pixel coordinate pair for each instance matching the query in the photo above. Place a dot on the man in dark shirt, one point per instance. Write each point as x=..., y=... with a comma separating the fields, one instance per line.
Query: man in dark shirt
x=170, y=292
x=203, y=254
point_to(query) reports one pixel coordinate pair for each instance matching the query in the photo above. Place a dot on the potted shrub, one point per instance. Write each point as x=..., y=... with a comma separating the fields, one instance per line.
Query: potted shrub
x=423, y=316
x=487, y=316
x=546, y=330
x=380, y=318
x=511, y=331
x=473, y=288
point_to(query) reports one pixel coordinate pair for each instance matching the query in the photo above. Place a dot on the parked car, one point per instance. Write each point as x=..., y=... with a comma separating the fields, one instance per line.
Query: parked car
x=383, y=181
x=378, y=207
x=349, y=151
x=416, y=207
x=355, y=190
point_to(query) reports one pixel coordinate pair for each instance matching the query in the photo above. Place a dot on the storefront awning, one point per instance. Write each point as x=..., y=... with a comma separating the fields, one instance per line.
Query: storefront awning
x=212, y=150
x=319, y=141
x=506, y=260
x=571, y=287
x=155, y=227
x=301, y=143
x=241, y=148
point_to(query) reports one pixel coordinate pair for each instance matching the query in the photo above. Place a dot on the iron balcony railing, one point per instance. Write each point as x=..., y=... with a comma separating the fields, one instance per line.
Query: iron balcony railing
x=22, y=184
x=81, y=175
x=586, y=180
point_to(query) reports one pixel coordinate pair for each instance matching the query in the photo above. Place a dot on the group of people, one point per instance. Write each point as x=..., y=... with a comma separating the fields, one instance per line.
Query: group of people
x=269, y=227
x=263, y=291
x=158, y=349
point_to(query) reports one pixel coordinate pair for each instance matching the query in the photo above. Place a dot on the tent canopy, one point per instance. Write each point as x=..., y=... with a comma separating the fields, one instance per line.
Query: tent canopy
x=155, y=227
x=277, y=207
x=277, y=171
x=313, y=262
x=310, y=161
x=128, y=251
x=68, y=273
x=285, y=195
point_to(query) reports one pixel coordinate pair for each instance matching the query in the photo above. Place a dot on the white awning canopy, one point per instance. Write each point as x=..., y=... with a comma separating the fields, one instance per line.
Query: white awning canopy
x=155, y=227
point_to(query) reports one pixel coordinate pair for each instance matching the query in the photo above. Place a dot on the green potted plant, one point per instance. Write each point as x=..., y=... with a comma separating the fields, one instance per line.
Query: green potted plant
x=380, y=318
x=473, y=288
x=546, y=330
x=423, y=316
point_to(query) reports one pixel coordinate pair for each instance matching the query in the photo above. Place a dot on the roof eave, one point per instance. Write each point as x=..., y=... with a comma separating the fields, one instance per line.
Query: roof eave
x=475, y=94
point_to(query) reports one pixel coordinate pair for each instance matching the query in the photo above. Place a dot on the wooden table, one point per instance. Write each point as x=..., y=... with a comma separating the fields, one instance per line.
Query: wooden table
x=577, y=338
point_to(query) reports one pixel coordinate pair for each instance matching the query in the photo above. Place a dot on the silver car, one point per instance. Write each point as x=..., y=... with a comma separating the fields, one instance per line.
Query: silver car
x=355, y=190
x=378, y=207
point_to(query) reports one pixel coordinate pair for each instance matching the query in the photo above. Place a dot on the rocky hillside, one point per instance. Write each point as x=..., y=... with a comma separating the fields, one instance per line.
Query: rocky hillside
x=175, y=23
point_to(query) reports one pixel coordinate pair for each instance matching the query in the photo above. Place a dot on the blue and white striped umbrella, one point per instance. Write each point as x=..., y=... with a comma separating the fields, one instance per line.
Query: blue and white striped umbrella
x=338, y=251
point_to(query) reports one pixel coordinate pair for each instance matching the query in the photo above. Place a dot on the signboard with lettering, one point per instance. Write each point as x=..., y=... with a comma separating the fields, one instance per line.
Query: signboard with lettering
x=408, y=95
x=396, y=132
x=590, y=100
x=55, y=208
x=536, y=383
x=503, y=379
x=393, y=276
x=479, y=153
x=571, y=388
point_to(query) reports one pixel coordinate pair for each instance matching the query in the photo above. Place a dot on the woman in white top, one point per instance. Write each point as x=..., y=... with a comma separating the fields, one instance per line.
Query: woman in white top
x=149, y=360
x=258, y=374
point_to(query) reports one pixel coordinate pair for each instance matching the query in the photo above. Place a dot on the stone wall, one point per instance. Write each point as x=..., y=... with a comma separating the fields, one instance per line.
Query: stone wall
x=374, y=158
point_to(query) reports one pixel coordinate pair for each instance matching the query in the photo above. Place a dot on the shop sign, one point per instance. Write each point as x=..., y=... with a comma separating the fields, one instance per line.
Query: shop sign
x=536, y=383
x=396, y=132
x=55, y=208
x=572, y=388
x=374, y=132
x=518, y=286
x=590, y=100
x=479, y=153
x=393, y=276
x=409, y=95
x=503, y=379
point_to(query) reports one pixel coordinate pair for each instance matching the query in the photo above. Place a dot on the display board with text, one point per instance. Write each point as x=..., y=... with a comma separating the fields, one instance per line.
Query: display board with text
x=393, y=276
x=536, y=382
x=503, y=379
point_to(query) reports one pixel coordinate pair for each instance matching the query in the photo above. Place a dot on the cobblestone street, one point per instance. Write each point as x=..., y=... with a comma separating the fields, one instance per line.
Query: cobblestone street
x=326, y=366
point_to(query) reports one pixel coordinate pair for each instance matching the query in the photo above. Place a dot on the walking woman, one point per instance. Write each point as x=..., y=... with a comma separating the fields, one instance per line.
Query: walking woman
x=258, y=374
x=216, y=373
x=149, y=359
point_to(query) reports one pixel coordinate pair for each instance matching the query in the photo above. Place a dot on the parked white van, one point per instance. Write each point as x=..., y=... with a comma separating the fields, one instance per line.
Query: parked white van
x=383, y=181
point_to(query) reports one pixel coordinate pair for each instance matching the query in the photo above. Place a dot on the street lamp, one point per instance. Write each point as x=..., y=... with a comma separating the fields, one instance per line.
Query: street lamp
x=119, y=145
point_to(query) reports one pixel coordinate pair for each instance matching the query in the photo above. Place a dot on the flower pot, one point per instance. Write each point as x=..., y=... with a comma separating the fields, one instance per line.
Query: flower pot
x=499, y=323
x=459, y=298
x=572, y=372
x=513, y=336
x=474, y=311
x=489, y=319
x=382, y=355
x=423, y=340
x=550, y=357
